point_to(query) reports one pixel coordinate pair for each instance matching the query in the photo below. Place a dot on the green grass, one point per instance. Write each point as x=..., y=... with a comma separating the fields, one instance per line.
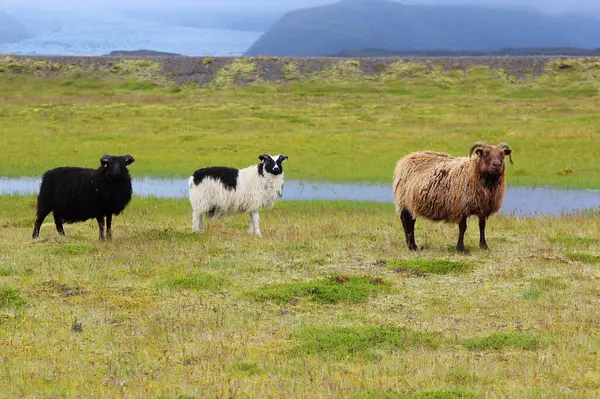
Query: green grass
x=532, y=293
x=442, y=395
x=11, y=298
x=449, y=394
x=583, y=257
x=199, y=282
x=366, y=341
x=499, y=341
x=349, y=289
x=432, y=266
x=573, y=240
x=326, y=124
x=163, y=312
x=248, y=369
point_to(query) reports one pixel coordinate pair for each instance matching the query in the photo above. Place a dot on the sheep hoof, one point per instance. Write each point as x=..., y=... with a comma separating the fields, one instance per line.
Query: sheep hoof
x=462, y=250
x=484, y=247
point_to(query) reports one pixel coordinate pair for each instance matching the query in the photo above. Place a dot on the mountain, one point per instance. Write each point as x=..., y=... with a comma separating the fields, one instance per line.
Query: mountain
x=388, y=25
x=11, y=30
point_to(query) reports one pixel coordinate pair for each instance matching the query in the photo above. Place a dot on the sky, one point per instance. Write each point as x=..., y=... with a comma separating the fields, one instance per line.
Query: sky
x=544, y=5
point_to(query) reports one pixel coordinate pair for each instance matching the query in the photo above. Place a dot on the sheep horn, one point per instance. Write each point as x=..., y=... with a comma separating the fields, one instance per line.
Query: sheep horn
x=507, y=147
x=129, y=159
x=476, y=145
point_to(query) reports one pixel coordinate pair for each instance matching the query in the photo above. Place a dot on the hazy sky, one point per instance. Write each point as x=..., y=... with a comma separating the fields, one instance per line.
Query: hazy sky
x=283, y=4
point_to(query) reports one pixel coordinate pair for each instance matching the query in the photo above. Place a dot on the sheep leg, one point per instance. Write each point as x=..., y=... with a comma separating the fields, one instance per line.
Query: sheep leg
x=462, y=228
x=59, y=225
x=408, y=223
x=101, y=226
x=254, y=228
x=109, y=227
x=197, y=224
x=482, y=243
x=38, y=223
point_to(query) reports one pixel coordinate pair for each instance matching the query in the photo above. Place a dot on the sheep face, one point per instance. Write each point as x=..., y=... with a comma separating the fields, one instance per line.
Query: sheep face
x=116, y=166
x=271, y=164
x=491, y=165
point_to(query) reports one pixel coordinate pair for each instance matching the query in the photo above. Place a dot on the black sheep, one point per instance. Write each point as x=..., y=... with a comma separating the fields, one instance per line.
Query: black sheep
x=79, y=194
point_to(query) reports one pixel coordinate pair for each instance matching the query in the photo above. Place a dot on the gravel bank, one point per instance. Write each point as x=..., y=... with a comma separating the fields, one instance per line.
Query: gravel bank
x=277, y=69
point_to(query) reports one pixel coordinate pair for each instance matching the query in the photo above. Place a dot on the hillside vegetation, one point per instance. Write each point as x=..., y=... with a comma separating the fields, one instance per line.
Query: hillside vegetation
x=388, y=25
x=337, y=124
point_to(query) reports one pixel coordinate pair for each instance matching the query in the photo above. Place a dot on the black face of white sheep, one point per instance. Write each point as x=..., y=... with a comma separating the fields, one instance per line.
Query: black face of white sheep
x=440, y=187
x=78, y=194
x=271, y=164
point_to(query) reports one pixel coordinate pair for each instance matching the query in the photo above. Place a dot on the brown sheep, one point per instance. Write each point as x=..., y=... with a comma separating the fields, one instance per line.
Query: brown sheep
x=437, y=186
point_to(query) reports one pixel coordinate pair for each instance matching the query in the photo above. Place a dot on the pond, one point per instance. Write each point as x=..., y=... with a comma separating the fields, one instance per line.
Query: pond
x=523, y=201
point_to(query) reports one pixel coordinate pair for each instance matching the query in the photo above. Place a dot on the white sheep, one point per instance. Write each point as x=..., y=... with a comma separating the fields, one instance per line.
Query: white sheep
x=220, y=191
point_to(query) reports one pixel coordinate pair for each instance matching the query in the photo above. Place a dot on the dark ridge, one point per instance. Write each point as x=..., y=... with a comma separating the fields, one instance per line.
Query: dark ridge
x=542, y=51
x=227, y=176
x=141, y=53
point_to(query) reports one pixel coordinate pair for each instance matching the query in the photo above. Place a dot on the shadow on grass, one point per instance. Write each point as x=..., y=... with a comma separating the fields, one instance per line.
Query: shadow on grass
x=431, y=266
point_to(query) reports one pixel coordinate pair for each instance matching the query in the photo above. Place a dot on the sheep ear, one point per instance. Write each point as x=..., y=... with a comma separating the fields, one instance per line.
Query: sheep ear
x=263, y=157
x=479, y=153
x=283, y=158
x=129, y=159
x=104, y=160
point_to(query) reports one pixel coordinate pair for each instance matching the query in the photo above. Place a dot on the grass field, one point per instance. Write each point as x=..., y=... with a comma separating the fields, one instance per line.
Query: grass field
x=328, y=304
x=336, y=126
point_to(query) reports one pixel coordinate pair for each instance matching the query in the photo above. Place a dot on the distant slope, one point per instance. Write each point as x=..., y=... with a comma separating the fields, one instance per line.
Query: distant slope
x=542, y=51
x=387, y=25
x=11, y=30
